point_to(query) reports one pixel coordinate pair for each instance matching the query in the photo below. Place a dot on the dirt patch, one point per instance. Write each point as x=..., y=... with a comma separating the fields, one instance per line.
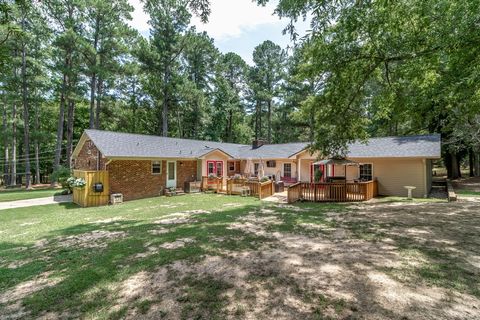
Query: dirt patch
x=93, y=239
x=11, y=300
x=177, y=220
x=469, y=184
x=180, y=243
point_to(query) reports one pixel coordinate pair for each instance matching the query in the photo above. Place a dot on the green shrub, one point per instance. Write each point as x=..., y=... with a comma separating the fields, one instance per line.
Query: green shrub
x=318, y=175
x=61, y=175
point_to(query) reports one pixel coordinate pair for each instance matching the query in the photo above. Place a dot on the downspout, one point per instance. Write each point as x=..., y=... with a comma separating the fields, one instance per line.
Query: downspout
x=98, y=160
x=107, y=163
x=424, y=161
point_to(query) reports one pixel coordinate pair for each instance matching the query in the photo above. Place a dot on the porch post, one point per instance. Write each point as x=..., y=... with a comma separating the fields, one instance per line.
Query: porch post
x=299, y=168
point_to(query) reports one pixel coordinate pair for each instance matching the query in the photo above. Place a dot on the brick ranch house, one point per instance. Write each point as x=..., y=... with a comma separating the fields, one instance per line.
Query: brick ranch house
x=142, y=166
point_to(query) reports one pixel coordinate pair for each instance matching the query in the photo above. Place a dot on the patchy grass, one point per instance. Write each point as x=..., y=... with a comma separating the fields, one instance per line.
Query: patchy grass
x=467, y=193
x=22, y=194
x=222, y=257
x=405, y=199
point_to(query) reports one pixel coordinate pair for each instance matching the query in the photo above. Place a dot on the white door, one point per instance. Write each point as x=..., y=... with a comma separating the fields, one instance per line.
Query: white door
x=171, y=174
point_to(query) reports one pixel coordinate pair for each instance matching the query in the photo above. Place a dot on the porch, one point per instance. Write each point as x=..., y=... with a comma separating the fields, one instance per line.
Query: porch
x=332, y=192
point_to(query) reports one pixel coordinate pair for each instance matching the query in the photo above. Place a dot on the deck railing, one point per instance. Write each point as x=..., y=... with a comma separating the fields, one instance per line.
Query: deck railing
x=212, y=183
x=332, y=192
x=257, y=189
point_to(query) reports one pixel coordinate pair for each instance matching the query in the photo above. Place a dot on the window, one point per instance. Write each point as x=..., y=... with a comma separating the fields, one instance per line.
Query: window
x=231, y=166
x=171, y=170
x=287, y=170
x=211, y=167
x=366, y=171
x=156, y=167
x=255, y=168
x=271, y=164
x=215, y=168
x=219, y=168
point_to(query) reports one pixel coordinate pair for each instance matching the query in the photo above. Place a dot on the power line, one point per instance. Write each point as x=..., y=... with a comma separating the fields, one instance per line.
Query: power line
x=32, y=155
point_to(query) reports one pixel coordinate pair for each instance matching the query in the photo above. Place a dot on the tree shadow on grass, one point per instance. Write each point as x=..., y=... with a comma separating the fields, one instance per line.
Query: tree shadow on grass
x=86, y=255
x=86, y=263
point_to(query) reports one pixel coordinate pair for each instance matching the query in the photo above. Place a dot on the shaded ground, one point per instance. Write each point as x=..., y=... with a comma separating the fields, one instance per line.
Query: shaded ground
x=467, y=187
x=220, y=257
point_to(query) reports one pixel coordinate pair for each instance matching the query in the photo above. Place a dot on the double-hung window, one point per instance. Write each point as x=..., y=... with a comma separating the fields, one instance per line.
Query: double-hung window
x=366, y=172
x=287, y=170
x=156, y=167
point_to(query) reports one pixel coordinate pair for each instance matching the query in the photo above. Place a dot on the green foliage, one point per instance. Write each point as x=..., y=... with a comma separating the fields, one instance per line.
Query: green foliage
x=387, y=67
x=62, y=174
x=318, y=175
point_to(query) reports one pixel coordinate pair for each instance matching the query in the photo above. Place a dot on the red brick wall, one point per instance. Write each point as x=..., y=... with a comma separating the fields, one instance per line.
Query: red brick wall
x=87, y=158
x=134, y=178
x=186, y=172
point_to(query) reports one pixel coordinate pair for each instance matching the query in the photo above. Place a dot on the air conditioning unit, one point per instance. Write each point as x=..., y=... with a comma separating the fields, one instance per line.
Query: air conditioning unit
x=116, y=198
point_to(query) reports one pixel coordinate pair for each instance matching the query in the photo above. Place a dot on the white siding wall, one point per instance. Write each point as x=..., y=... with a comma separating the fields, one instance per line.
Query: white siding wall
x=395, y=173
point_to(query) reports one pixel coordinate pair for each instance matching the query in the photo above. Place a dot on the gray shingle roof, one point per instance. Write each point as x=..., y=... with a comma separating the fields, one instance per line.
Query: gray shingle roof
x=116, y=144
x=273, y=151
x=424, y=146
x=127, y=145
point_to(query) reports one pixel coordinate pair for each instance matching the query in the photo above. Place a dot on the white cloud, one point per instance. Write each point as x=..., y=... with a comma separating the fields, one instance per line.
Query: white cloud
x=139, y=17
x=229, y=18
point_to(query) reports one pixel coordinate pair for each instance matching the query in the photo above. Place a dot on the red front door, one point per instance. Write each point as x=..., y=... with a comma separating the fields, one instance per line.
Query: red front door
x=215, y=168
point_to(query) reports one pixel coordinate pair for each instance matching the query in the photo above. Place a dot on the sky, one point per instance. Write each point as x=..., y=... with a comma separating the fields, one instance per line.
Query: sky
x=235, y=25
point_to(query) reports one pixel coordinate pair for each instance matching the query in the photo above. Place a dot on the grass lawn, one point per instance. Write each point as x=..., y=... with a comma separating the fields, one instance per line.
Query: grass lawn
x=17, y=194
x=225, y=257
x=464, y=192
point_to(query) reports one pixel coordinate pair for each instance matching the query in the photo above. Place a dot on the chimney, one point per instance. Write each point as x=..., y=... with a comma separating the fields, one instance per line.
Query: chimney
x=257, y=143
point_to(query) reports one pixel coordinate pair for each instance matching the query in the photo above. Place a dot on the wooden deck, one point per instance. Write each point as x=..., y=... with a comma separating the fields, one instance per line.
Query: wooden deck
x=332, y=192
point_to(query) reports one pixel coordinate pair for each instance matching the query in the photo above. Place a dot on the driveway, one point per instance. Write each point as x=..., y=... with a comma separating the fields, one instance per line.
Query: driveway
x=35, y=202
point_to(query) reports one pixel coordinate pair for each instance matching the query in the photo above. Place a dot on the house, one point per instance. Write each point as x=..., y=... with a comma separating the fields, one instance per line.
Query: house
x=141, y=166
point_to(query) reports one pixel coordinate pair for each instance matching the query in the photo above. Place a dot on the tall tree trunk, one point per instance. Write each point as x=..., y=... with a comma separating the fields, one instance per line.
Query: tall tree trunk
x=99, y=100
x=70, y=121
x=477, y=163
x=13, y=170
x=166, y=97
x=93, y=87
x=26, y=113
x=257, y=120
x=61, y=119
x=230, y=126
x=93, y=80
x=134, y=105
x=6, y=162
x=181, y=134
x=269, y=121
x=471, y=163
x=455, y=166
x=37, y=145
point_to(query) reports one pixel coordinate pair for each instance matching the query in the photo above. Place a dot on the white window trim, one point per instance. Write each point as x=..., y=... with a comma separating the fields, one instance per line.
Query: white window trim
x=365, y=164
x=161, y=168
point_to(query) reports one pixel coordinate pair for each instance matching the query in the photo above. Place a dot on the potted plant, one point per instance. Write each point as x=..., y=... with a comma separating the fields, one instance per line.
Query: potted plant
x=74, y=183
x=318, y=175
